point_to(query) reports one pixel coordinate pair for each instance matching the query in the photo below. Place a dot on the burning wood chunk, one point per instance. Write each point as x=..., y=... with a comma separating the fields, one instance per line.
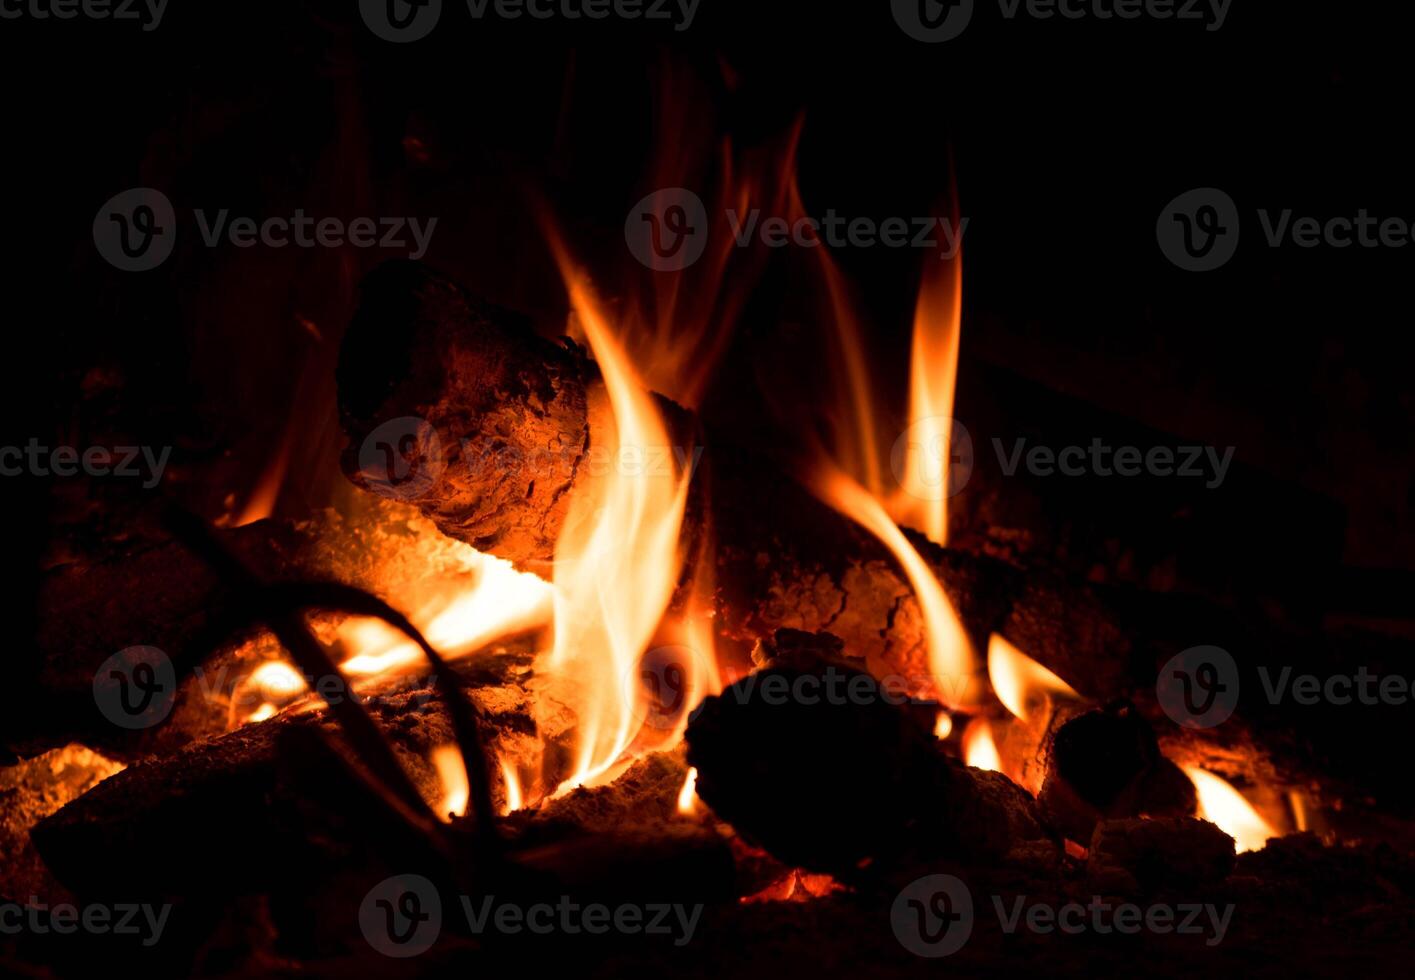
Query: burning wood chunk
x=1104, y=764
x=820, y=765
x=1133, y=854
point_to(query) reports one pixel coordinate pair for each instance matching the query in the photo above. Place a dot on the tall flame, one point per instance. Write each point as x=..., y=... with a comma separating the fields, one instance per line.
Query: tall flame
x=1223, y=805
x=922, y=500
x=847, y=477
x=617, y=560
x=1022, y=684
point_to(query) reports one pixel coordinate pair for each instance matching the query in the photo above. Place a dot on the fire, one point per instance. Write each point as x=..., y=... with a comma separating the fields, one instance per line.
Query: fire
x=617, y=560
x=1022, y=684
x=447, y=760
x=514, y=799
x=922, y=500
x=688, y=795
x=943, y=725
x=950, y=653
x=1223, y=805
x=979, y=749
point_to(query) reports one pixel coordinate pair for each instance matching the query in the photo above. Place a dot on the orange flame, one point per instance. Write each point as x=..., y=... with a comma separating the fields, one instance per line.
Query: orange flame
x=979, y=749
x=950, y=653
x=943, y=725
x=688, y=795
x=617, y=560
x=514, y=798
x=1022, y=684
x=447, y=760
x=1223, y=805
x=922, y=500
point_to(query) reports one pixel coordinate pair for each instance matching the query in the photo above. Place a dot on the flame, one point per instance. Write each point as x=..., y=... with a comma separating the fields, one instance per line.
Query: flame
x=447, y=760
x=617, y=560
x=514, y=799
x=922, y=499
x=943, y=725
x=1223, y=805
x=503, y=601
x=1022, y=684
x=979, y=749
x=688, y=795
x=950, y=653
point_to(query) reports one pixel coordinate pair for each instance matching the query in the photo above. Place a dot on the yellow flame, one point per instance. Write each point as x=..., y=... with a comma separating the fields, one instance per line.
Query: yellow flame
x=276, y=680
x=1224, y=806
x=447, y=760
x=617, y=559
x=501, y=602
x=943, y=725
x=979, y=749
x=688, y=795
x=514, y=800
x=950, y=654
x=922, y=500
x=1021, y=683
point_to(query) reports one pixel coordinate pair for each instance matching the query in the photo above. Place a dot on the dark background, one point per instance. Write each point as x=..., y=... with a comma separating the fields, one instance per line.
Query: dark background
x=1065, y=139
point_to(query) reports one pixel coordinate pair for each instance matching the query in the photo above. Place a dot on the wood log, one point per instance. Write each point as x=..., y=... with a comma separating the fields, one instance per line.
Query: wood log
x=815, y=762
x=517, y=417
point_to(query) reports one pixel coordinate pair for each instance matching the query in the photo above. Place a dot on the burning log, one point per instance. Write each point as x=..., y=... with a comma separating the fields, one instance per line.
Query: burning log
x=814, y=761
x=1107, y=764
x=487, y=428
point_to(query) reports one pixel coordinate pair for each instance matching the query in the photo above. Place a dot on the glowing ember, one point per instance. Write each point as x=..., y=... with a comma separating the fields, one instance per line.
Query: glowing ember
x=1223, y=805
x=1022, y=684
x=979, y=749
x=447, y=760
